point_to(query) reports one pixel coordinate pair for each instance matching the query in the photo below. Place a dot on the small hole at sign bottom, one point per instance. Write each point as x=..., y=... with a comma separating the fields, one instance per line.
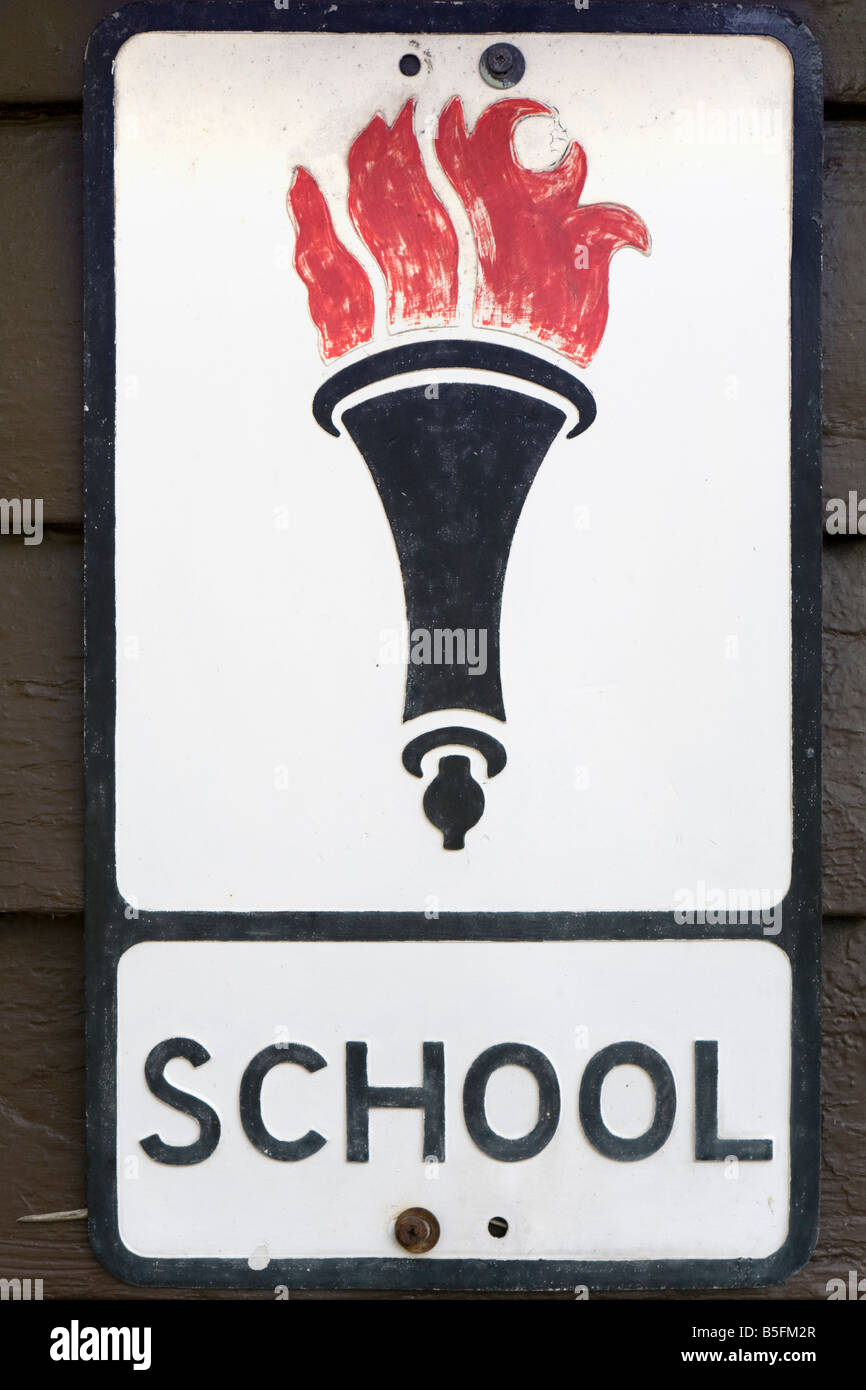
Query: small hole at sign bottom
x=410, y=65
x=497, y=1227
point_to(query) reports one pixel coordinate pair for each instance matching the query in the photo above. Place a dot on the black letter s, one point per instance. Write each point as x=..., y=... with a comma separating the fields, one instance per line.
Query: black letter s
x=207, y=1119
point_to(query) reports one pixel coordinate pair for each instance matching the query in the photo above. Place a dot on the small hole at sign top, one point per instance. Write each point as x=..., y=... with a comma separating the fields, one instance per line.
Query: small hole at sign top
x=410, y=65
x=497, y=1227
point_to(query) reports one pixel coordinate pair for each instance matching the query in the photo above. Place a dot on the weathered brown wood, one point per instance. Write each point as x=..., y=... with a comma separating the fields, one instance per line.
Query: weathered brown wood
x=40, y=724
x=844, y=830
x=40, y=710
x=42, y=1164
x=40, y=314
x=844, y=314
x=41, y=45
x=840, y=28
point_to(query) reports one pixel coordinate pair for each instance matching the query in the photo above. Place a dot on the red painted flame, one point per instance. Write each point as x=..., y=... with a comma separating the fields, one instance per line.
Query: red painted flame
x=543, y=261
x=341, y=300
x=400, y=219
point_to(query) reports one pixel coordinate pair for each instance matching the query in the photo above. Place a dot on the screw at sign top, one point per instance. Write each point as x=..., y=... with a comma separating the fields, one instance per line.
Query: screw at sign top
x=502, y=65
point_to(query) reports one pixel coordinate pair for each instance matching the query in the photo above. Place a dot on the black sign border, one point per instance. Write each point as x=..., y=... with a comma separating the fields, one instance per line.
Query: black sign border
x=111, y=930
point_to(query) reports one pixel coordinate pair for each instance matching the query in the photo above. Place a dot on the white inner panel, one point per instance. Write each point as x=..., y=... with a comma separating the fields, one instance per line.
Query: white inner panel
x=645, y=625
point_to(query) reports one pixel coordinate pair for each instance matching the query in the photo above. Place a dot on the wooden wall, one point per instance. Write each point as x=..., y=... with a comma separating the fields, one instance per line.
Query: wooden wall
x=41, y=958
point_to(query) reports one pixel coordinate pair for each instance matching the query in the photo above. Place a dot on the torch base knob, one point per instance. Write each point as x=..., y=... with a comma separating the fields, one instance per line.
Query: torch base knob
x=453, y=802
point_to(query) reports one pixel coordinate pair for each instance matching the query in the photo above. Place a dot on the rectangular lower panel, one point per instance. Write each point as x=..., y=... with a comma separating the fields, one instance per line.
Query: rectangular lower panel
x=567, y=1001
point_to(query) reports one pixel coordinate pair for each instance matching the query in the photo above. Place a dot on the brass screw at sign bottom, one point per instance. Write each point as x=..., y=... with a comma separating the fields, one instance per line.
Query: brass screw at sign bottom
x=417, y=1230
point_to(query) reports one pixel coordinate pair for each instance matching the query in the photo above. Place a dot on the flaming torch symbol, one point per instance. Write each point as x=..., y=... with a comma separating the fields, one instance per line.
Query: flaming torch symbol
x=453, y=464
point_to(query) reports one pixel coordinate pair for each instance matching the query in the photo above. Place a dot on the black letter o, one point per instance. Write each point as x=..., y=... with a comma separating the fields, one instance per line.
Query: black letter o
x=475, y=1091
x=617, y=1146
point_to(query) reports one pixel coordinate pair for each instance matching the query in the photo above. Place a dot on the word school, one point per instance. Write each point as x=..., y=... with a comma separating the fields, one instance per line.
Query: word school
x=429, y=1097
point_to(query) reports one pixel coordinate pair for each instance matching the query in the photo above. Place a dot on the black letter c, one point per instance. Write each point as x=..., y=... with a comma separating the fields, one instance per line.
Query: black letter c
x=286, y=1150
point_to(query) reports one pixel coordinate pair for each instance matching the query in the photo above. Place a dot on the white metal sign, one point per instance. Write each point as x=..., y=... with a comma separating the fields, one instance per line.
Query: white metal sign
x=453, y=565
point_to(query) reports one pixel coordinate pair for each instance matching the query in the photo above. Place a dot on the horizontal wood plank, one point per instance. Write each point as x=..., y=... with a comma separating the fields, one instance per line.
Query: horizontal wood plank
x=40, y=710
x=42, y=45
x=844, y=770
x=844, y=310
x=42, y=1159
x=41, y=678
x=40, y=314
